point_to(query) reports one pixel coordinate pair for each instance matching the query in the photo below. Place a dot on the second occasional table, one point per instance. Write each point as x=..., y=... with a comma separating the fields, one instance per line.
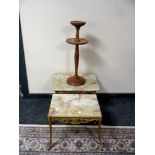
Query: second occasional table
x=60, y=84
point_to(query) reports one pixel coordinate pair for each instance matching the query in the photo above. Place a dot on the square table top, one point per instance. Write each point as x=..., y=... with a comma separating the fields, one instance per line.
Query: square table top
x=74, y=105
x=60, y=83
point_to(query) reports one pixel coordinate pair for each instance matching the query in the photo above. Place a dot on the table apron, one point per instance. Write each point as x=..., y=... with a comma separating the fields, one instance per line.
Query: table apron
x=76, y=120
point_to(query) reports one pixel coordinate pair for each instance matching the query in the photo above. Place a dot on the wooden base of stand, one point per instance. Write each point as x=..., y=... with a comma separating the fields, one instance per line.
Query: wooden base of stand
x=76, y=81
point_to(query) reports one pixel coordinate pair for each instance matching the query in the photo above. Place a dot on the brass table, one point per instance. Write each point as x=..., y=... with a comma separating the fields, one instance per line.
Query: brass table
x=74, y=109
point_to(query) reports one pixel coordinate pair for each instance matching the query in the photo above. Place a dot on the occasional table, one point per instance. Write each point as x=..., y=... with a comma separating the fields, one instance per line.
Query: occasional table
x=74, y=109
x=60, y=84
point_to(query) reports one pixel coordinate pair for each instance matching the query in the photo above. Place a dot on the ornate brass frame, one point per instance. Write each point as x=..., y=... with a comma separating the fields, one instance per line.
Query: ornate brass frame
x=75, y=121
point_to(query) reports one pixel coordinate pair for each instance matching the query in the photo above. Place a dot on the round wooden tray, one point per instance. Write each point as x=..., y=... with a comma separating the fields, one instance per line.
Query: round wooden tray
x=78, y=23
x=74, y=41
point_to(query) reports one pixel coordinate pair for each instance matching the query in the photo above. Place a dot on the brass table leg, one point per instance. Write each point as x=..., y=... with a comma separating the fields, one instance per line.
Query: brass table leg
x=99, y=132
x=50, y=128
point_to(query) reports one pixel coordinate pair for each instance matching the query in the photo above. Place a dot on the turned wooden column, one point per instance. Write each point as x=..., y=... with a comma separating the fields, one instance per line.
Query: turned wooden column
x=76, y=80
x=76, y=60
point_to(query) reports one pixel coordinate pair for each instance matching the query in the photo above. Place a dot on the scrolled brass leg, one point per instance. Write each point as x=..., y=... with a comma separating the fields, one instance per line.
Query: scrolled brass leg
x=99, y=132
x=50, y=128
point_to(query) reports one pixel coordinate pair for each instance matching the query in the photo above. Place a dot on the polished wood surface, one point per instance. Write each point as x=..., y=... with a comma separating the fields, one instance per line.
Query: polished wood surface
x=74, y=41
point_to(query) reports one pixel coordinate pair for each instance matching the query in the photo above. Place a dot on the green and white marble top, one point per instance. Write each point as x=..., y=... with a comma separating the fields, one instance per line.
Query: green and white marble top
x=74, y=105
x=60, y=83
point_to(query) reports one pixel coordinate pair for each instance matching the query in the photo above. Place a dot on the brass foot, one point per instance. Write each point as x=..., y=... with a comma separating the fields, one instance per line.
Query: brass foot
x=49, y=147
x=101, y=145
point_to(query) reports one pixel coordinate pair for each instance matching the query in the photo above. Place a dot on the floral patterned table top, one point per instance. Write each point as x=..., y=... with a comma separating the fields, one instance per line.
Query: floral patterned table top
x=74, y=105
x=60, y=83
